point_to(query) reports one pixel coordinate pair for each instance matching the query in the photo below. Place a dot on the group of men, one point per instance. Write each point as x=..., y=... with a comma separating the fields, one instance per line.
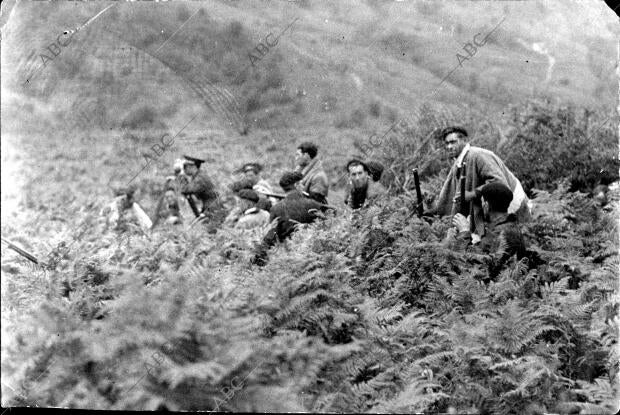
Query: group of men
x=482, y=195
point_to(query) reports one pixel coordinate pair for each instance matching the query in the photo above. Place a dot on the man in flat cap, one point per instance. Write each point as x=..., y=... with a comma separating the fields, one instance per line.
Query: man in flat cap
x=285, y=215
x=362, y=190
x=314, y=181
x=481, y=167
x=502, y=237
x=196, y=184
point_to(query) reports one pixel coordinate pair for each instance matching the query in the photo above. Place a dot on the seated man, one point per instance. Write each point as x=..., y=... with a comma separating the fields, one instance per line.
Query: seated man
x=294, y=209
x=168, y=209
x=251, y=172
x=249, y=212
x=124, y=209
x=195, y=184
x=314, y=179
x=362, y=191
x=501, y=238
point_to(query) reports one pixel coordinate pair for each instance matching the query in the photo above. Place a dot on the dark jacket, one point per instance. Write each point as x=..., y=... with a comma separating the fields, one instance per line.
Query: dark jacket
x=501, y=240
x=374, y=192
x=294, y=209
x=315, y=181
x=203, y=189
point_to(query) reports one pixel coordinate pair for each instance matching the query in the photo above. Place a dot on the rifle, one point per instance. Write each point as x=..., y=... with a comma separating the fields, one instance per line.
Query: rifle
x=20, y=251
x=192, y=204
x=274, y=195
x=464, y=208
x=418, y=193
x=455, y=208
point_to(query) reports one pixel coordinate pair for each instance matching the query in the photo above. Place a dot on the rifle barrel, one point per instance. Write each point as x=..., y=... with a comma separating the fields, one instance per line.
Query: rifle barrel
x=418, y=192
x=20, y=251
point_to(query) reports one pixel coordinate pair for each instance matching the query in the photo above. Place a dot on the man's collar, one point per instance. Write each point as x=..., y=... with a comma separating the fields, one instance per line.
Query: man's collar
x=310, y=166
x=461, y=157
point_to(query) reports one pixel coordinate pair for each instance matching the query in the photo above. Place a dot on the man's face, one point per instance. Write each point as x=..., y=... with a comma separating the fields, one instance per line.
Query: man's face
x=301, y=159
x=170, y=197
x=190, y=169
x=358, y=176
x=251, y=176
x=454, y=144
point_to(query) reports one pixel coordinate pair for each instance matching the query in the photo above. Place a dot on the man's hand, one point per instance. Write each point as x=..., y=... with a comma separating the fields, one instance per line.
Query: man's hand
x=461, y=222
x=469, y=196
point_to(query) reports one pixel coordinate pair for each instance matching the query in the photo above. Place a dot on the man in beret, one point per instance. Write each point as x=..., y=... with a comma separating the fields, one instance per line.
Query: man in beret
x=481, y=167
x=502, y=237
x=314, y=181
x=362, y=190
x=196, y=184
x=285, y=215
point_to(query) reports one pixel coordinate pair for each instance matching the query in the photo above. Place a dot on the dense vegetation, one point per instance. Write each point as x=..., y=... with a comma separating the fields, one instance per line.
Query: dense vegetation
x=361, y=312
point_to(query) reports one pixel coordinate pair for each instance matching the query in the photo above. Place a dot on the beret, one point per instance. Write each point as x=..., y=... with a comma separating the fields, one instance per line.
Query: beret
x=248, y=194
x=241, y=184
x=497, y=194
x=453, y=129
x=375, y=169
x=290, y=178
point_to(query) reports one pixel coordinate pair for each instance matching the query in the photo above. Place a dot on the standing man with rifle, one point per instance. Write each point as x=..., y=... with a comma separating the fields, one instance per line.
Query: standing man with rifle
x=473, y=168
x=197, y=186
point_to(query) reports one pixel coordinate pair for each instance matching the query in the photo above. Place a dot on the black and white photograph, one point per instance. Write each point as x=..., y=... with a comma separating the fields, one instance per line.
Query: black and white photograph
x=310, y=206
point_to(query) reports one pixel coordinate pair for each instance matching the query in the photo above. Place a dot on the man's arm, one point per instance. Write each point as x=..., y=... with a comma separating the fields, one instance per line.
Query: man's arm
x=488, y=171
x=319, y=184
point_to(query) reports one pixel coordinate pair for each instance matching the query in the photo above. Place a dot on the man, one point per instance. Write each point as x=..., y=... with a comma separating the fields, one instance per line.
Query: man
x=249, y=212
x=124, y=209
x=502, y=237
x=196, y=184
x=251, y=172
x=314, y=181
x=481, y=167
x=362, y=191
x=295, y=208
x=168, y=209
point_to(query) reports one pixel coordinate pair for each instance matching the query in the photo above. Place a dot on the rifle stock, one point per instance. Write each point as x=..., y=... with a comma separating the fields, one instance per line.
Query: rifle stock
x=455, y=207
x=464, y=206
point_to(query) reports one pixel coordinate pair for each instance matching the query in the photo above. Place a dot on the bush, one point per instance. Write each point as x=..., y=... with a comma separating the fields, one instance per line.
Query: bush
x=549, y=143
